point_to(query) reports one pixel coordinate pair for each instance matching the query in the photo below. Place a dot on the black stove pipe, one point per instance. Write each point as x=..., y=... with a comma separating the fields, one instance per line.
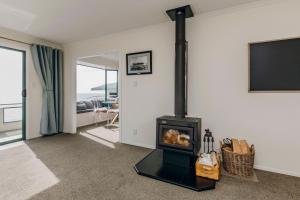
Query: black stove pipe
x=180, y=67
x=179, y=15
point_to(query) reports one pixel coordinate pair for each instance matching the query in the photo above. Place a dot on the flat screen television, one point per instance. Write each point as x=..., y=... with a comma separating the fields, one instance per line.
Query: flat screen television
x=274, y=66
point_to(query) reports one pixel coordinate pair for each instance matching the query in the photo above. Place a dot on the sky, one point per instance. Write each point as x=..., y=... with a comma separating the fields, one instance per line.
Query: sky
x=88, y=77
x=10, y=76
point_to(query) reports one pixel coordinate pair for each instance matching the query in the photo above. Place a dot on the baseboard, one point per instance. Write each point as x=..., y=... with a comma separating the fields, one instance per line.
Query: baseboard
x=279, y=171
x=69, y=131
x=139, y=145
x=33, y=137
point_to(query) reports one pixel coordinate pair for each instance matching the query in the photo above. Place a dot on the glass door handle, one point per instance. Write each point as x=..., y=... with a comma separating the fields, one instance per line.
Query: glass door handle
x=24, y=93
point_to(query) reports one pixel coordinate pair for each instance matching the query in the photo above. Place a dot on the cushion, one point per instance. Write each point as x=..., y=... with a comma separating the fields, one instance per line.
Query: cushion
x=81, y=106
x=89, y=105
x=98, y=104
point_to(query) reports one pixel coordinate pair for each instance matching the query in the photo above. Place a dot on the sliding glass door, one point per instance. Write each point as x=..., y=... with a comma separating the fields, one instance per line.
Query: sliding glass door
x=12, y=95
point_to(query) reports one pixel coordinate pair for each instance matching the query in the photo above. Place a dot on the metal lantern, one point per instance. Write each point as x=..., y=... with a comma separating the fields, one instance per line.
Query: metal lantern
x=208, y=141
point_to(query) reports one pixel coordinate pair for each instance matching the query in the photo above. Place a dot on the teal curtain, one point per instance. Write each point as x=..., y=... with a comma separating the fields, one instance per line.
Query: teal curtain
x=48, y=63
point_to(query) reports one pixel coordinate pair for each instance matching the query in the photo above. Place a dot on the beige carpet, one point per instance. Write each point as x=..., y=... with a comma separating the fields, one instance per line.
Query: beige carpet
x=77, y=167
x=22, y=174
x=111, y=135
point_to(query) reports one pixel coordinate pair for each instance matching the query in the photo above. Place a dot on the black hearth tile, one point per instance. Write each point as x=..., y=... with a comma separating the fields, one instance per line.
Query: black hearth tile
x=152, y=166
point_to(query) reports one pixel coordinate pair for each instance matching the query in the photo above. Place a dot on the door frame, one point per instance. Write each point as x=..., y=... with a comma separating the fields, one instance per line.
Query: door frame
x=23, y=94
x=75, y=60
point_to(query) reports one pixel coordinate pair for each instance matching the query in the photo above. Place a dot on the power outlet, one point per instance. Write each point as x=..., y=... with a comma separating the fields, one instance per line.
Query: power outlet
x=135, y=132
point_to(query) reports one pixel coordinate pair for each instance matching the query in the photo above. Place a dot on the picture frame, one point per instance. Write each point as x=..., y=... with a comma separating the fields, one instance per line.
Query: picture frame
x=139, y=63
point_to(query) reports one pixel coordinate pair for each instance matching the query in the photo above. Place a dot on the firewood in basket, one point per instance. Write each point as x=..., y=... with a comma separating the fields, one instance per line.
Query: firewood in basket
x=228, y=149
x=236, y=146
x=244, y=147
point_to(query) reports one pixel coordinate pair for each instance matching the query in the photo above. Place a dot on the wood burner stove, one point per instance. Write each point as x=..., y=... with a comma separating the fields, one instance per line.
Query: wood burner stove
x=178, y=138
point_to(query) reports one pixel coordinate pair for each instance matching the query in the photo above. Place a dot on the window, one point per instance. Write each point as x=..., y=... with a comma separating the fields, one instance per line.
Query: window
x=112, y=84
x=97, y=83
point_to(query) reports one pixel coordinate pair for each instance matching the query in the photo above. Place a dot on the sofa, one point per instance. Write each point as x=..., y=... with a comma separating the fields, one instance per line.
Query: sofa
x=87, y=115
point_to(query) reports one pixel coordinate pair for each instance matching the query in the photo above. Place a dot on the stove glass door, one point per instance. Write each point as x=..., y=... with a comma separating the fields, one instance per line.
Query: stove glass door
x=176, y=137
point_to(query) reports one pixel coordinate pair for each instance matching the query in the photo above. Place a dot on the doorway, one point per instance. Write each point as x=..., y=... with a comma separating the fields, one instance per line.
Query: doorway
x=12, y=95
x=98, y=97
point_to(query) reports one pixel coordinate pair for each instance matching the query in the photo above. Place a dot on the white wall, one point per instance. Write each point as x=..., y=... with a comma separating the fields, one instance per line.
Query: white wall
x=33, y=85
x=218, y=78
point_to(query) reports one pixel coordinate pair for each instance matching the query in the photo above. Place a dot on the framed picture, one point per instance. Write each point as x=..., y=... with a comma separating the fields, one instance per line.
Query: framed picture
x=139, y=63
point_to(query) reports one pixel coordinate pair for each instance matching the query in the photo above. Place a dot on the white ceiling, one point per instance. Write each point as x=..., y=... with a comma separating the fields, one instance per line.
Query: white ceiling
x=65, y=21
x=108, y=60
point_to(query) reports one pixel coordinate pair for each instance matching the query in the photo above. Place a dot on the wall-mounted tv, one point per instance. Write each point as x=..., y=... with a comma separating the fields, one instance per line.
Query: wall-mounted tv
x=274, y=65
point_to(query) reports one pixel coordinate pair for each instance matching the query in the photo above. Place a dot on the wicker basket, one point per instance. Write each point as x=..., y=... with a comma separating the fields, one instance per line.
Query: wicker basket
x=238, y=164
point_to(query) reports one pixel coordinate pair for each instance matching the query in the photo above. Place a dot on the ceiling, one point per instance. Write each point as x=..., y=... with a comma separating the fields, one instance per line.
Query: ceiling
x=108, y=60
x=66, y=21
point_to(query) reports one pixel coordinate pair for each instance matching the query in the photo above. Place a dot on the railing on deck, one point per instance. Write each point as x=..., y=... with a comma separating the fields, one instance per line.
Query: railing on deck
x=10, y=113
